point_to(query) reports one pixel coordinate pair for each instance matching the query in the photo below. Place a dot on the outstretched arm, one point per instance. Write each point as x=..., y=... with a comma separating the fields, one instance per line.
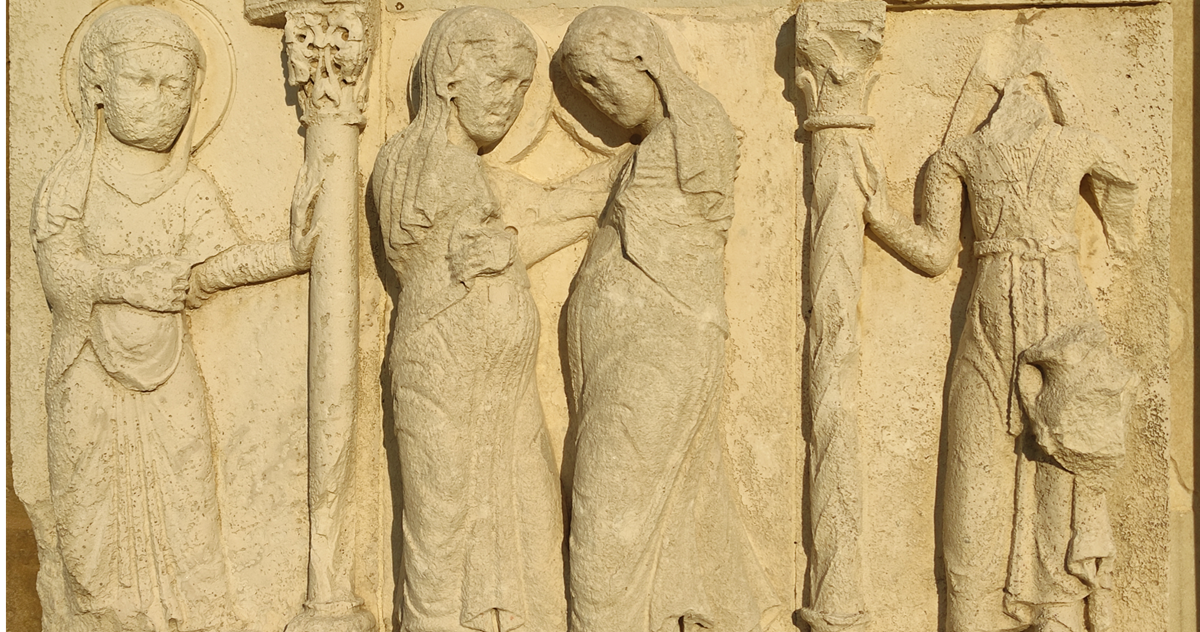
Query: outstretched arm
x=1115, y=191
x=550, y=218
x=931, y=245
x=245, y=264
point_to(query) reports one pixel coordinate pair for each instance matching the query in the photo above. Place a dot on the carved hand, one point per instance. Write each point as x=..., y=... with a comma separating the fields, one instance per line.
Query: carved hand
x=159, y=285
x=873, y=184
x=304, y=225
x=196, y=294
x=481, y=252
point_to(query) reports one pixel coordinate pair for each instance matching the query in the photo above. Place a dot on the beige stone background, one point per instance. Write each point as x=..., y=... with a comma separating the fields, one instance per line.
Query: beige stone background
x=1124, y=62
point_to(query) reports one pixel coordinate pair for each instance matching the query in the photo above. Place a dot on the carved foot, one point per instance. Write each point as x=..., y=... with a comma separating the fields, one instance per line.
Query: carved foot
x=830, y=622
x=332, y=617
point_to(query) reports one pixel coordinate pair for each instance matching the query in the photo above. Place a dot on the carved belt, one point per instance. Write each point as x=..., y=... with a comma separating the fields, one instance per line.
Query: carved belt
x=1025, y=248
x=1021, y=252
x=819, y=122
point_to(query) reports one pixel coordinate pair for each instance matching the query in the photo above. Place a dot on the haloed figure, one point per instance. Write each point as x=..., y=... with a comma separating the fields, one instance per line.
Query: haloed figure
x=656, y=539
x=128, y=233
x=482, y=517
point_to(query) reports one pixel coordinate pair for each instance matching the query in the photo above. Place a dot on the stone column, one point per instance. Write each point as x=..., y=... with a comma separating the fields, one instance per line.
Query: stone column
x=836, y=45
x=328, y=49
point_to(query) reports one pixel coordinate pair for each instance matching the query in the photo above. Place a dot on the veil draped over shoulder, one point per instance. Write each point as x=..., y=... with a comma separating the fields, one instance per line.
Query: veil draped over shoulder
x=63, y=192
x=403, y=175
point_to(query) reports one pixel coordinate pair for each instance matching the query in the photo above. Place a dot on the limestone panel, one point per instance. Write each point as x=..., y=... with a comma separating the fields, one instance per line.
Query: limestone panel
x=257, y=122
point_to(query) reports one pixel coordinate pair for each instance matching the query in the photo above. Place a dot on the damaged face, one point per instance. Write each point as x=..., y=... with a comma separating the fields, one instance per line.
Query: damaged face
x=147, y=95
x=491, y=90
x=622, y=90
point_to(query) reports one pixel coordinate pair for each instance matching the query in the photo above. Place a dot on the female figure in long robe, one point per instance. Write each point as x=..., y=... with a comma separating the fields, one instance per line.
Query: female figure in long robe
x=481, y=501
x=127, y=232
x=657, y=542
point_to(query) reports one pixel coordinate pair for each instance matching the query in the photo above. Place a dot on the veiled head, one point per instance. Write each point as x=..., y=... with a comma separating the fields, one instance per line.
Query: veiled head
x=143, y=66
x=475, y=67
x=616, y=57
x=470, y=81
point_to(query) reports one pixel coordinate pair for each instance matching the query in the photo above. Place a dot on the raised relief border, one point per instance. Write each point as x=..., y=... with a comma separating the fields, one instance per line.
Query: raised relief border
x=409, y=6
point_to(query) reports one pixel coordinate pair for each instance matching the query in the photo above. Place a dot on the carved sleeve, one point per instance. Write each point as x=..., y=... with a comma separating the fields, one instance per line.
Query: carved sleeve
x=70, y=280
x=1115, y=191
x=226, y=263
x=244, y=264
x=932, y=244
x=73, y=282
x=550, y=218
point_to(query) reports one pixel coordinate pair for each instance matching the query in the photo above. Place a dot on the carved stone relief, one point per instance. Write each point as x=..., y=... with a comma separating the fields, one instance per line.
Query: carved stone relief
x=482, y=519
x=129, y=234
x=836, y=44
x=656, y=539
x=1031, y=331
x=328, y=49
x=531, y=370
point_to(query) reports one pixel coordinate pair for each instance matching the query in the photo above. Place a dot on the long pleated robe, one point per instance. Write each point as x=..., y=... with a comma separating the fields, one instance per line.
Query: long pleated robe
x=1025, y=539
x=131, y=471
x=656, y=536
x=482, y=516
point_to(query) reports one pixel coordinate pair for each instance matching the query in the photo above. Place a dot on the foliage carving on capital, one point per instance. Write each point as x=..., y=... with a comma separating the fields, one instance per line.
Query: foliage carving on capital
x=836, y=45
x=328, y=51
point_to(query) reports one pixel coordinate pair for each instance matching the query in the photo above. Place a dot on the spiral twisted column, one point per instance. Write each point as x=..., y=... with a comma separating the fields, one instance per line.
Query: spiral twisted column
x=836, y=45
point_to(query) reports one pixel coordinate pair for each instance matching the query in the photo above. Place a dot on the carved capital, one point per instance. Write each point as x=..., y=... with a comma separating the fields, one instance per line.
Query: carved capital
x=328, y=50
x=836, y=45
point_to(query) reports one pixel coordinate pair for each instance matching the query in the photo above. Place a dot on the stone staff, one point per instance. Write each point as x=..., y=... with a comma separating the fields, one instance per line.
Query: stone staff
x=328, y=48
x=836, y=45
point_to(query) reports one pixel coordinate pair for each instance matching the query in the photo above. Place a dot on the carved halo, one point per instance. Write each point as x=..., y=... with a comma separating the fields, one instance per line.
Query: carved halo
x=217, y=92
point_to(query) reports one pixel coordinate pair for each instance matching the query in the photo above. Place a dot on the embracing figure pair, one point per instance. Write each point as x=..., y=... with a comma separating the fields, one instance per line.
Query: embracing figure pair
x=655, y=538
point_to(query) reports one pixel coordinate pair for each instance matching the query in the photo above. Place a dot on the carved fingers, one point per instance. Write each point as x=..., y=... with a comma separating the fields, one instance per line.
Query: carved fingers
x=160, y=285
x=305, y=223
x=196, y=294
x=872, y=181
x=482, y=251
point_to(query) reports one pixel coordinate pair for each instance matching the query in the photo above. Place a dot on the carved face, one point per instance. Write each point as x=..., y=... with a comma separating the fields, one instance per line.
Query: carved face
x=622, y=90
x=147, y=95
x=490, y=90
